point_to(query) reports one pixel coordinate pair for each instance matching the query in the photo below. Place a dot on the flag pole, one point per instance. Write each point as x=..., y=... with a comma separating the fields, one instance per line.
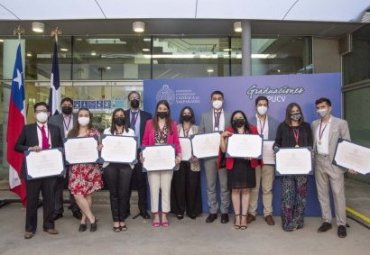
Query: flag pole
x=18, y=31
x=55, y=33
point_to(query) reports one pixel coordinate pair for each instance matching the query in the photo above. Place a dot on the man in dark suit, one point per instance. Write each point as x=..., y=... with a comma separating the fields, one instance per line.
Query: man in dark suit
x=65, y=123
x=136, y=119
x=36, y=137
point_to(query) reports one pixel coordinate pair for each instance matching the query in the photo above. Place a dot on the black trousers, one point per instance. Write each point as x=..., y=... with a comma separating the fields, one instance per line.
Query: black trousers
x=118, y=179
x=60, y=185
x=139, y=182
x=186, y=192
x=47, y=188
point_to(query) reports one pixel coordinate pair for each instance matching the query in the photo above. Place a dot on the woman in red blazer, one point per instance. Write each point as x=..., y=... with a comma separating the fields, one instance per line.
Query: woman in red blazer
x=241, y=174
x=158, y=131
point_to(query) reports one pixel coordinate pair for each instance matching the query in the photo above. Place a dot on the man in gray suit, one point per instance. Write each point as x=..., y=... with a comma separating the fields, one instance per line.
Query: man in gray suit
x=326, y=132
x=215, y=121
x=65, y=123
x=265, y=174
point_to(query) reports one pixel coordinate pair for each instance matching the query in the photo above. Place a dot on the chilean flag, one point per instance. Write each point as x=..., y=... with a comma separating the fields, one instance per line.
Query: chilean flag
x=16, y=121
x=54, y=94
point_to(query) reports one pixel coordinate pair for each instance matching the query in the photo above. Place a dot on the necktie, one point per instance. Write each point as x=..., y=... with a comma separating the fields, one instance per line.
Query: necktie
x=44, y=138
x=217, y=120
x=133, y=120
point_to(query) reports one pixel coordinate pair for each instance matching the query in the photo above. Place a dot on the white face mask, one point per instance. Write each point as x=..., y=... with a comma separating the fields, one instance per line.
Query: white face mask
x=261, y=110
x=217, y=104
x=322, y=112
x=42, y=117
x=83, y=121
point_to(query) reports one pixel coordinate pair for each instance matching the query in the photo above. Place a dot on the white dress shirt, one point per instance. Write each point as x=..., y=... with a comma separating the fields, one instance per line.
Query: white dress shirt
x=322, y=144
x=221, y=121
x=39, y=135
x=265, y=131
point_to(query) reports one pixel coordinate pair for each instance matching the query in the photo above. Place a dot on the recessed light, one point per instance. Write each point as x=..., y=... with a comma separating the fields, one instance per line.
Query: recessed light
x=210, y=70
x=29, y=54
x=93, y=53
x=1, y=40
x=108, y=68
x=138, y=26
x=64, y=49
x=227, y=49
x=147, y=39
x=38, y=27
x=146, y=50
x=238, y=27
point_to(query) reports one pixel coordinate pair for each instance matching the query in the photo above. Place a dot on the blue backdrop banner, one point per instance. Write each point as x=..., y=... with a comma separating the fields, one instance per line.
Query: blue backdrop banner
x=240, y=94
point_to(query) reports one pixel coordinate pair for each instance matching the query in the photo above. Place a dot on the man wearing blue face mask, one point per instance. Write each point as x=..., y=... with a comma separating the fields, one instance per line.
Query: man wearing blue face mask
x=326, y=132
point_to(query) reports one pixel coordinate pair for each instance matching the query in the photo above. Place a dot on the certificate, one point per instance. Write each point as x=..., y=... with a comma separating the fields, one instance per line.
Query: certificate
x=297, y=161
x=81, y=150
x=244, y=146
x=352, y=156
x=206, y=145
x=158, y=158
x=119, y=149
x=186, y=149
x=44, y=163
x=268, y=156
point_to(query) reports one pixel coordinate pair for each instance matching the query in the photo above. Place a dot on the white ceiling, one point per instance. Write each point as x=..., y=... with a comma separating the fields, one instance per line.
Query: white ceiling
x=290, y=10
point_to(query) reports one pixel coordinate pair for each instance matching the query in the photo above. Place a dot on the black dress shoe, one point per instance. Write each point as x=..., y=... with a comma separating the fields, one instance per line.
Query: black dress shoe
x=77, y=215
x=57, y=216
x=211, y=218
x=93, y=227
x=145, y=215
x=342, y=231
x=179, y=216
x=224, y=218
x=324, y=227
x=82, y=228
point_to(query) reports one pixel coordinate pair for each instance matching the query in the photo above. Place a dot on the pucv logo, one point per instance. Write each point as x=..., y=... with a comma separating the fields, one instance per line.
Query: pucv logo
x=166, y=93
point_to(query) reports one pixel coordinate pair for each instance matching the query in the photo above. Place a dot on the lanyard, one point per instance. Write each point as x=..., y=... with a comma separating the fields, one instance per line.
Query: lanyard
x=262, y=126
x=66, y=126
x=321, y=132
x=296, y=136
x=217, y=116
x=186, y=132
x=134, y=119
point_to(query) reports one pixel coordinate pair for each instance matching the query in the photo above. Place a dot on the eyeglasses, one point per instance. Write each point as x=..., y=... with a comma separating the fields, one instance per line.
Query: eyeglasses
x=38, y=111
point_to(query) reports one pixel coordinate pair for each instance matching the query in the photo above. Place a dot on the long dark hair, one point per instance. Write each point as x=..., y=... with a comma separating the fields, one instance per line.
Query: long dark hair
x=76, y=127
x=289, y=108
x=181, y=119
x=246, y=125
x=113, y=126
x=168, y=119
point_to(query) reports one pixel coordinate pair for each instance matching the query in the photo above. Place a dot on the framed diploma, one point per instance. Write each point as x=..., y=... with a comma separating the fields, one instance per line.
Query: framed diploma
x=268, y=156
x=81, y=150
x=119, y=149
x=352, y=156
x=158, y=158
x=244, y=146
x=206, y=145
x=294, y=161
x=45, y=163
x=186, y=149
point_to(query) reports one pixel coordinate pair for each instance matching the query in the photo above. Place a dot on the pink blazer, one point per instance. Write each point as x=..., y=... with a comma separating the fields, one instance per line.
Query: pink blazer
x=172, y=138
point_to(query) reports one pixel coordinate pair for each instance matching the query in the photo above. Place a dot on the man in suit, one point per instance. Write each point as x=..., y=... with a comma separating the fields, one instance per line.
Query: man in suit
x=36, y=137
x=215, y=121
x=265, y=174
x=326, y=132
x=136, y=119
x=65, y=123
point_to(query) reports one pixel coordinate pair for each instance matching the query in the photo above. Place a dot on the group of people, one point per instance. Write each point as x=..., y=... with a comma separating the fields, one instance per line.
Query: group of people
x=179, y=192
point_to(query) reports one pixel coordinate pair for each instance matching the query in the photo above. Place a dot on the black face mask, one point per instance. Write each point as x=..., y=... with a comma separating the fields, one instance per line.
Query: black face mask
x=67, y=110
x=162, y=115
x=135, y=104
x=119, y=121
x=186, y=117
x=238, y=123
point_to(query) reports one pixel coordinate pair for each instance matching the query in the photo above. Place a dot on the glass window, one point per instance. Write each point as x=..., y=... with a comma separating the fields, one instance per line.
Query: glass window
x=111, y=58
x=356, y=64
x=190, y=57
x=279, y=55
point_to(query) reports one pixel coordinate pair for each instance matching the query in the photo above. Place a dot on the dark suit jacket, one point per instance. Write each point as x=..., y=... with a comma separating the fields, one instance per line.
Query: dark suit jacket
x=29, y=138
x=57, y=120
x=144, y=116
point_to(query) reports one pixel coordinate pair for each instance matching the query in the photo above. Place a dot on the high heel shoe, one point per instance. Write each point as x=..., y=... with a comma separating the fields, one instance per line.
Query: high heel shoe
x=155, y=224
x=165, y=223
x=82, y=227
x=236, y=226
x=93, y=225
x=243, y=227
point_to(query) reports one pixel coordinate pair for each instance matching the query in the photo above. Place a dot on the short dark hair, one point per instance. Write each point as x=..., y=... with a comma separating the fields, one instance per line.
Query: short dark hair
x=217, y=92
x=133, y=92
x=323, y=100
x=66, y=99
x=39, y=104
x=262, y=98
x=181, y=119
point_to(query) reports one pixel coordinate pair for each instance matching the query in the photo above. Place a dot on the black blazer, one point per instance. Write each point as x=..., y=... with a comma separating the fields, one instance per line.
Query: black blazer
x=144, y=116
x=285, y=136
x=29, y=138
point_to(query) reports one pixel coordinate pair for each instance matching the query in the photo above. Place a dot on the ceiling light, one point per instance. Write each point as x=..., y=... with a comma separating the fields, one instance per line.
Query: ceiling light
x=38, y=27
x=227, y=49
x=108, y=68
x=147, y=39
x=1, y=40
x=210, y=70
x=146, y=50
x=138, y=26
x=64, y=49
x=29, y=54
x=93, y=53
x=238, y=27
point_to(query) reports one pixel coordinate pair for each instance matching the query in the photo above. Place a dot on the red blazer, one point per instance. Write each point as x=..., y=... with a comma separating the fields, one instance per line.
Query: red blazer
x=172, y=138
x=230, y=161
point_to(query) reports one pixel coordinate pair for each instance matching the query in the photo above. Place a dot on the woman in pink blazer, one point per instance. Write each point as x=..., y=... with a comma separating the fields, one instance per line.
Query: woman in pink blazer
x=159, y=131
